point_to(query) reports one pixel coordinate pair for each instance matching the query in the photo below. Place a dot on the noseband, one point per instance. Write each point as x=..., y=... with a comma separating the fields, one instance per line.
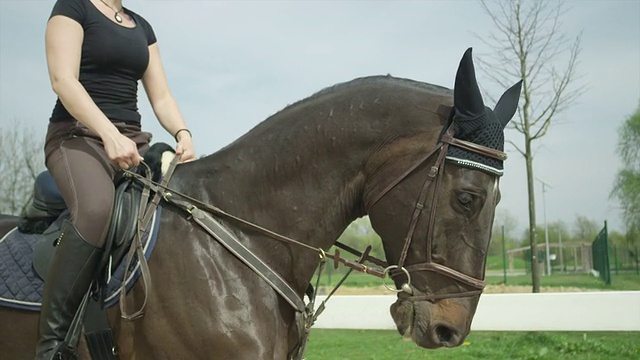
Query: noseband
x=435, y=175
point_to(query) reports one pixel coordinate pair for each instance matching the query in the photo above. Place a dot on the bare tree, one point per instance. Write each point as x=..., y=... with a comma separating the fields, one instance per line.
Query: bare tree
x=528, y=44
x=505, y=224
x=585, y=229
x=21, y=160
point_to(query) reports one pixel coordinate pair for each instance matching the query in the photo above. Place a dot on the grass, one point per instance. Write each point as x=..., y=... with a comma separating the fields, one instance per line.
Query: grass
x=623, y=281
x=495, y=262
x=386, y=344
x=383, y=344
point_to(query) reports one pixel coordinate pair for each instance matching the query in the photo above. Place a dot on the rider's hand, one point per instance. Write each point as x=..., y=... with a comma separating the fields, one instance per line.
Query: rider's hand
x=185, y=147
x=122, y=151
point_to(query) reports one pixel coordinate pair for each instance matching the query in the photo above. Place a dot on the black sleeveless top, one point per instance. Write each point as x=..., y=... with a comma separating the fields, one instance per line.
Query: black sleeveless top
x=114, y=58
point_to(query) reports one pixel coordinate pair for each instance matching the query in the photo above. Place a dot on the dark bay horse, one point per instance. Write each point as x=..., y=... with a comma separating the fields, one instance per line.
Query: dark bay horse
x=355, y=149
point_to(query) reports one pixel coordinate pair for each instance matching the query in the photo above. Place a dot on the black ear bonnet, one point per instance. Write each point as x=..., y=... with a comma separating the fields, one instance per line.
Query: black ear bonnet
x=476, y=123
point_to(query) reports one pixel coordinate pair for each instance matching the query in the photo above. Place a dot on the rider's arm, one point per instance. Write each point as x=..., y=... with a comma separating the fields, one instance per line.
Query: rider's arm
x=164, y=105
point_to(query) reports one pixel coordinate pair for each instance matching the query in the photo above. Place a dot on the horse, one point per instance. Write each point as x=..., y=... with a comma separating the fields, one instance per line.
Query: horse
x=373, y=146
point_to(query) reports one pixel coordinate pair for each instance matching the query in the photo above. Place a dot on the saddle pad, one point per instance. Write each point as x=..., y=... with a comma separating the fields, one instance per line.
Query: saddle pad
x=21, y=288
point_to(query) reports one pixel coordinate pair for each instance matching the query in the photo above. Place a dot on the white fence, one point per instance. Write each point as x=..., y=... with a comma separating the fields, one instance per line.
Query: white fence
x=589, y=311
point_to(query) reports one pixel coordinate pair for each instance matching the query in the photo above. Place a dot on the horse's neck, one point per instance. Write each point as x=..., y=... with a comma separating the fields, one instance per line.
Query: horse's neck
x=299, y=182
x=303, y=186
x=302, y=173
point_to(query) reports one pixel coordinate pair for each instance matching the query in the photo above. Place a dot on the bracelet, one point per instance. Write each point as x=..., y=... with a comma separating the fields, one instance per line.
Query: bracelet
x=178, y=132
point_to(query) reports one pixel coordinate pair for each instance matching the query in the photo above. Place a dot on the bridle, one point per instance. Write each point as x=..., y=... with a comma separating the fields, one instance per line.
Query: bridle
x=197, y=210
x=435, y=176
x=406, y=291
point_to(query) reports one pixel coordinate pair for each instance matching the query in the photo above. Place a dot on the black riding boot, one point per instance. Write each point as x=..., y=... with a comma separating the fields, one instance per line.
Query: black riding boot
x=72, y=268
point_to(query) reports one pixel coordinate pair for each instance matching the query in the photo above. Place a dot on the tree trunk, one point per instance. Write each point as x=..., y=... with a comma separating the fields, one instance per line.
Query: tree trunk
x=535, y=269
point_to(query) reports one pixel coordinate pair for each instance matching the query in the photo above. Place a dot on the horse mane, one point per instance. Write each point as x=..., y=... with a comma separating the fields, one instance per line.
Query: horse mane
x=376, y=80
x=384, y=80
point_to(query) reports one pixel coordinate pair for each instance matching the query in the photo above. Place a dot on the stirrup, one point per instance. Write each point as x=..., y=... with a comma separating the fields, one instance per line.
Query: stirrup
x=64, y=352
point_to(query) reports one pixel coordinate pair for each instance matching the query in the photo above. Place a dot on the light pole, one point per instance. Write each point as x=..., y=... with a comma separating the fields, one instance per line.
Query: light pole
x=546, y=225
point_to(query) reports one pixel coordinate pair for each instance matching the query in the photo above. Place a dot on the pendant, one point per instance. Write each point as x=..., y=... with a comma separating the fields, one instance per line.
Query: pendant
x=118, y=18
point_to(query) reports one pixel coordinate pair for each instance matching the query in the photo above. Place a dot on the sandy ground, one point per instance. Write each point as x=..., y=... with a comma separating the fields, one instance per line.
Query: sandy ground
x=490, y=289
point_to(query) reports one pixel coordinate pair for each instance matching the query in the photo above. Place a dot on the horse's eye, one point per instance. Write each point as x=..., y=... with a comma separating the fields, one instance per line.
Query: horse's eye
x=465, y=199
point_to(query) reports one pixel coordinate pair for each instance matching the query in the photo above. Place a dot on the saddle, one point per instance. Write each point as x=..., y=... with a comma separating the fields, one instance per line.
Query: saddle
x=45, y=215
x=46, y=212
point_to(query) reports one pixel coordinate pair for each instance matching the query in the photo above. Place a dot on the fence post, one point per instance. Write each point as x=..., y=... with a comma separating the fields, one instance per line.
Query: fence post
x=637, y=264
x=600, y=254
x=504, y=256
x=562, y=267
x=615, y=258
x=607, y=279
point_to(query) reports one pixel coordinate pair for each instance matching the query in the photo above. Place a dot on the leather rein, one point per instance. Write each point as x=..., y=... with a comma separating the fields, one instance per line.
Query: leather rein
x=436, y=172
x=201, y=212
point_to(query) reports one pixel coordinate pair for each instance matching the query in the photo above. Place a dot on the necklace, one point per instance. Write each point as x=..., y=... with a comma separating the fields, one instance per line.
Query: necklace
x=116, y=15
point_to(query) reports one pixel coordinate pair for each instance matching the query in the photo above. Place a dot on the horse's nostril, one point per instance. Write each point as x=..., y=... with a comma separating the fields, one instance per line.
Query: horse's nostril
x=447, y=335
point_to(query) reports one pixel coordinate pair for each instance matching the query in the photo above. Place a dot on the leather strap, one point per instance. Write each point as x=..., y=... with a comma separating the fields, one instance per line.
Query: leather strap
x=395, y=182
x=97, y=332
x=449, y=272
x=144, y=217
x=434, y=178
x=231, y=243
x=435, y=173
x=189, y=203
x=434, y=297
x=201, y=214
x=478, y=149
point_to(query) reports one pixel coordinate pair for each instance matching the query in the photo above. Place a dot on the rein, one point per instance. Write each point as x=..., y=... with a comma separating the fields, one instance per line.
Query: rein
x=136, y=249
x=201, y=212
x=203, y=218
x=190, y=204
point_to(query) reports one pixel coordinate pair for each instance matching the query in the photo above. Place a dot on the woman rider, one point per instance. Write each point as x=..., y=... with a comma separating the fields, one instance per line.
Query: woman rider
x=97, y=51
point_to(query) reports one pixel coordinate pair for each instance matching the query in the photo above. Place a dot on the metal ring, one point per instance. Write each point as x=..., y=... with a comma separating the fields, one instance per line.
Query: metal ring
x=405, y=285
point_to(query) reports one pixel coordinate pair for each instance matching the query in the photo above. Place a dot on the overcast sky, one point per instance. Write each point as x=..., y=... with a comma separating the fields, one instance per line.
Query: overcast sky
x=231, y=64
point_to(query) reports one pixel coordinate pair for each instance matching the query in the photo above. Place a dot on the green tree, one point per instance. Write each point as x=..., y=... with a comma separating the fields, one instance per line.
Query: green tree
x=529, y=44
x=626, y=188
x=617, y=239
x=585, y=229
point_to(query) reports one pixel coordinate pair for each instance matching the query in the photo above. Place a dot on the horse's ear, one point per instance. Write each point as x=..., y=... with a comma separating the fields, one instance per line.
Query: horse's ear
x=508, y=103
x=467, y=99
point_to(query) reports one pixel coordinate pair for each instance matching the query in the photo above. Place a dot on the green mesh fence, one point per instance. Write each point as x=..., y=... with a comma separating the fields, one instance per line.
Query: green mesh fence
x=600, y=252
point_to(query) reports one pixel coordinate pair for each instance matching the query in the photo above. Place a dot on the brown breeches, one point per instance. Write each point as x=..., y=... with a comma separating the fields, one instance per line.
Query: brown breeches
x=84, y=174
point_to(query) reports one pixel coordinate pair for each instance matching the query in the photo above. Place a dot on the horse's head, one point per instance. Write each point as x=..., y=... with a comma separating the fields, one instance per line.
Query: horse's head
x=436, y=220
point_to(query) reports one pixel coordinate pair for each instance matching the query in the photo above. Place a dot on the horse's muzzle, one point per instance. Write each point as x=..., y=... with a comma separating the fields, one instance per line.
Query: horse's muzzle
x=443, y=323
